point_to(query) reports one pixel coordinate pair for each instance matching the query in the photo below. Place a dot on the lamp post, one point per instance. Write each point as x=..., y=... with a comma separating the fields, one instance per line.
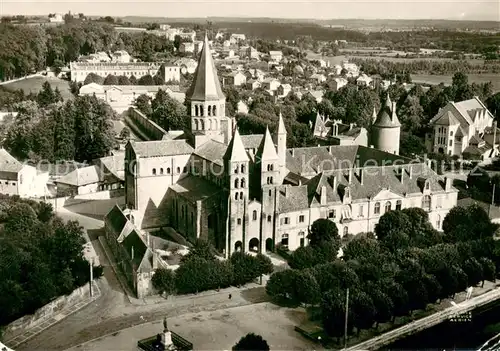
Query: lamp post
x=91, y=265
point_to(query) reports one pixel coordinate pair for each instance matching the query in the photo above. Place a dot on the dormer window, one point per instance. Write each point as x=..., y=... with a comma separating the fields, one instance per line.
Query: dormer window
x=427, y=185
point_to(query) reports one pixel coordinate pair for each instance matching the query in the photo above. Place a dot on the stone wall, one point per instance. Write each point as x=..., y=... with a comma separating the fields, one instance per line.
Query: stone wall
x=48, y=311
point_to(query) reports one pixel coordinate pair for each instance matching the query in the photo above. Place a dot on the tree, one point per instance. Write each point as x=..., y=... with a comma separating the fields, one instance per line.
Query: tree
x=164, y=281
x=245, y=268
x=168, y=113
x=303, y=257
x=47, y=96
x=306, y=288
x=323, y=230
x=93, y=78
x=111, y=80
x=383, y=304
x=143, y=104
x=123, y=80
x=125, y=133
x=202, y=249
x=489, y=269
x=158, y=80
x=146, y=80
x=363, y=309
x=333, y=312
x=281, y=285
x=362, y=248
x=470, y=223
x=474, y=271
x=251, y=342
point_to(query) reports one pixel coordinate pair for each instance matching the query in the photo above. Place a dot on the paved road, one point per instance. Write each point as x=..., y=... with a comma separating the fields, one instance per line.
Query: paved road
x=426, y=322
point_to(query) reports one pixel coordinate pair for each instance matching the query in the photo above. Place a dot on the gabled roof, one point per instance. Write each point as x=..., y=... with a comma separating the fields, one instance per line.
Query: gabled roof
x=115, y=219
x=138, y=251
x=266, y=150
x=252, y=141
x=387, y=117
x=212, y=151
x=236, y=151
x=82, y=176
x=161, y=148
x=292, y=198
x=319, y=125
x=8, y=163
x=446, y=119
x=206, y=85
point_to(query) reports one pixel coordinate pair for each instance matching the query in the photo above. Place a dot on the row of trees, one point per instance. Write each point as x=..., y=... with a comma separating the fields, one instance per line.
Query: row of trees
x=124, y=80
x=408, y=266
x=201, y=270
x=41, y=257
x=48, y=129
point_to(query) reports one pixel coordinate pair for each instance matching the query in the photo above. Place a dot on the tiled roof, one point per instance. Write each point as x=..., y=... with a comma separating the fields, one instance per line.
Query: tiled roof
x=475, y=140
x=387, y=117
x=82, y=176
x=212, y=151
x=138, y=252
x=8, y=163
x=194, y=188
x=446, y=119
x=161, y=148
x=251, y=141
x=206, y=85
x=116, y=219
x=292, y=198
x=114, y=165
x=313, y=160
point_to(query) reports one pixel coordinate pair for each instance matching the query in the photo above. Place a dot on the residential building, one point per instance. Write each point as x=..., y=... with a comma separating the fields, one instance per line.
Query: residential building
x=364, y=81
x=275, y=55
x=242, y=107
x=255, y=73
x=283, y=90
x=187, y=65
x=318, y=78
x=337, y=69
x=21, y=179
x=190, y=35
x=100, y=56
x=334, y=132
x=252, y=193
x=56, y=18
x=248, y=52
x=317, y=95
x=252, y=84
x=80, y=70
x=337, y=83
x=122, y=97
x=459, y=128
x=236, y=38
x=270, y=84
x=171, y=73
x=236, y=78
x=351, y=68
x=187, y=47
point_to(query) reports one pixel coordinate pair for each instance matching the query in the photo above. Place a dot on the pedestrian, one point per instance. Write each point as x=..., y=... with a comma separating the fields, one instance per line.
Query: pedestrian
x=230, y=296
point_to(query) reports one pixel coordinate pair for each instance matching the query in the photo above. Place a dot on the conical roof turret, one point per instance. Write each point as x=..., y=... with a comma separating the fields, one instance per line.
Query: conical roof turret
x=387, y=117
x=236, y=150
x=267, y=150
x=206, y=85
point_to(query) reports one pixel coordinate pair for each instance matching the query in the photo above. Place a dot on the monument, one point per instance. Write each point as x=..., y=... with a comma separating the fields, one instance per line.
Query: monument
x=167, y=340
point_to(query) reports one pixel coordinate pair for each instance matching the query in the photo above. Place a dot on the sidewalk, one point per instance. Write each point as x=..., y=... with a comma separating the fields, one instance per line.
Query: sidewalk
x=17, y=340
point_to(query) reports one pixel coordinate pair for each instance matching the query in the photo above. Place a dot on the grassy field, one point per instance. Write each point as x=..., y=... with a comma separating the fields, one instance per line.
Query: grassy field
x=335, y=60
x=34, y=84
x=446, y=79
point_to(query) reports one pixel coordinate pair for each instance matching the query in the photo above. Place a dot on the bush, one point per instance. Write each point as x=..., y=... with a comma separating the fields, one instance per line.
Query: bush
x=198, y=274
x=164, y=281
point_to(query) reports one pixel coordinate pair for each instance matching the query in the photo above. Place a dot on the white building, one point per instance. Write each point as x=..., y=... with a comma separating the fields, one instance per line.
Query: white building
x=364, y=81
x=120, y=56
x=80, y=70
x=21, y=179
x=236, y=38
x=187, y=47
x=100, y=56
x=121, y=97
x=275, y=55
x=459, y=128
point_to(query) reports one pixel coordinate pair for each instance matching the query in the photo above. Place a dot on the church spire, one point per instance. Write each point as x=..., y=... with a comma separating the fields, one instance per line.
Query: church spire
x=281, y=125
x=236, y=150
x=266, y=150
x=206, y=85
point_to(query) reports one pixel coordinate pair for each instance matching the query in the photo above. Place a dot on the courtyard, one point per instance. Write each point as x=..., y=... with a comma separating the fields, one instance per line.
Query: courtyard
x=217, y=330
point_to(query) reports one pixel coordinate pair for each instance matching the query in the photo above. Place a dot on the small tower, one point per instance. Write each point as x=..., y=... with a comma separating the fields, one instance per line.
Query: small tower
x=268, y=161
x=386, y=129
x=281, y=148
x=236, y=167
x=205, y=100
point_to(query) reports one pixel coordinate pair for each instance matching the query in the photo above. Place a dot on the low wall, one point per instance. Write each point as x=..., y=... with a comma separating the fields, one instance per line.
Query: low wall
x=48, y=310
x=77, y=199
x=153, y=130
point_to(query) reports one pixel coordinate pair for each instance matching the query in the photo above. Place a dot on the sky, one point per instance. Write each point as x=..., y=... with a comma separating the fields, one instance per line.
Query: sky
x=317, y=9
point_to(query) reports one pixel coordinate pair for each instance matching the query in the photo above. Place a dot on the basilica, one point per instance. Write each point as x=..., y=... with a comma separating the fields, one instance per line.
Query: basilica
x=253, y=193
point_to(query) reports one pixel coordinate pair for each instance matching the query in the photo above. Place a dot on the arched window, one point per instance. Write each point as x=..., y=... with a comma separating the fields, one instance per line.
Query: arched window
x=154, y=171
x=346, y=230
x=215, y=124
x=387, y=206
x=271, y=180
x=268, y=167
x=236, y=183
x=269, y=218
x=168, y=170
x=178, y=170
x=209, y=112
x=399, y=205
x=376, y=210
x=438, y=222
x=427, y=185
x=214, y=110
x=270, y=193
x=242, y=168
x=426, y=203
x=236, y=196
x=161, y=170
x=254, y=215
x=243, y=182
x=272, y=167
x=201, y=111
x=241, y=195
x=196, y=111
x=202, y=125
x=196, y=124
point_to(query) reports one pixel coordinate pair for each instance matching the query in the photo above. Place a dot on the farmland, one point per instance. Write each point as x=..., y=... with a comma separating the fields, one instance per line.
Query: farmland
x=446, y=79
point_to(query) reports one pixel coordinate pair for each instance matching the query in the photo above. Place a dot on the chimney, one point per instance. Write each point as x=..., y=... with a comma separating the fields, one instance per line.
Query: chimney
x=350, y=175
x=361, y=176
x=155, y=260
x=300, y=182
x=333, y=182
x=351, y=125
x=410, y=172
x=323, y=195
x=132, y=253
x=447, y=184
x=494, y=135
